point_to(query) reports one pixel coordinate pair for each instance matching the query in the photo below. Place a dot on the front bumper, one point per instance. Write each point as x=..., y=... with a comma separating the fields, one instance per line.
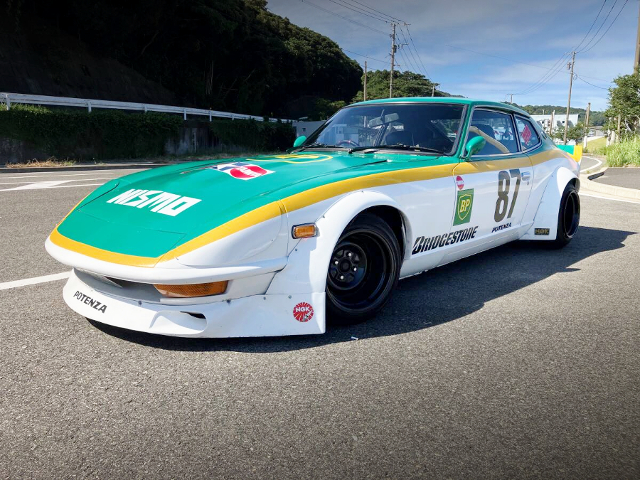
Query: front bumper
x=251, y=316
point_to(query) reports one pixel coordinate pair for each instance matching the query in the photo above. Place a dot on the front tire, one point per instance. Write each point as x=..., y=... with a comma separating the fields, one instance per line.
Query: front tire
x=363, y=270
x=568, y=216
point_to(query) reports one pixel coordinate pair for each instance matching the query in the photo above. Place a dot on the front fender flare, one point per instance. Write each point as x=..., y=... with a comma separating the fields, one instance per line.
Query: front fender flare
x=308, y=263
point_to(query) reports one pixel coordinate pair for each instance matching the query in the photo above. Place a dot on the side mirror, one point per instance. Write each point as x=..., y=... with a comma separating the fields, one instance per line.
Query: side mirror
x=299, y=141
x=474, y=146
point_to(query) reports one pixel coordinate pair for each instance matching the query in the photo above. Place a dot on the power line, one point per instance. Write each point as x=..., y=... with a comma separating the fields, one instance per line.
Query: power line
x=366, y=56
x=547, y=77
x=407, y=61
x=589, y=83
x=307, y=2
x=416, y=50
x=609, y=28
x=414, y=63
x=600, y=27
x=591, y=27
x=378, y=11
x=357, y=10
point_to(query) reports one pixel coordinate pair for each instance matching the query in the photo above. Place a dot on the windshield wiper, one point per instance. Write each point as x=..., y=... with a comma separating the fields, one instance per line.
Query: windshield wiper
x=316, y=145
x=397, y=146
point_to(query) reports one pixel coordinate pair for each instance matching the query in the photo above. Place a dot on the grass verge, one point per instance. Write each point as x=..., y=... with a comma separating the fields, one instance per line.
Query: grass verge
x=598, y=146
x=50, y=162
x=624, y=154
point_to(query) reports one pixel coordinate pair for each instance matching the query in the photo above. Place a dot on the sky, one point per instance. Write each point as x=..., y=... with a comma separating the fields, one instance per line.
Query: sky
x=487, y=49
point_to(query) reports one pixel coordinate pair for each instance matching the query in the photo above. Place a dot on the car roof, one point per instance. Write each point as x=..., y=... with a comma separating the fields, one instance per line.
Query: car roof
x=458, y=100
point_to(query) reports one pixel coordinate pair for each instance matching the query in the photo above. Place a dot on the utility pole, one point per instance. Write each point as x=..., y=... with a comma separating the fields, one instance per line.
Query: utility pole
x=511, y=98
x=433, y=90
x=551, y=124
x=637, y=60
x=394, y=47
x=365, y=82
x=566, y=123
x=586, y=126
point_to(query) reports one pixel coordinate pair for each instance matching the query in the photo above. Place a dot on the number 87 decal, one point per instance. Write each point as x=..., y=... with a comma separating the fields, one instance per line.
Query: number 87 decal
x=504, y=182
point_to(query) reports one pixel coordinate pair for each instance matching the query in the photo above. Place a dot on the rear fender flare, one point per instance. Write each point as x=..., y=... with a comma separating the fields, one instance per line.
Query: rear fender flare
x=547, y=214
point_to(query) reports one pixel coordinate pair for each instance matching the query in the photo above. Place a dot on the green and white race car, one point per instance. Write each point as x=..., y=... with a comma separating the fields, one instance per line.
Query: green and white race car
x=275, y=245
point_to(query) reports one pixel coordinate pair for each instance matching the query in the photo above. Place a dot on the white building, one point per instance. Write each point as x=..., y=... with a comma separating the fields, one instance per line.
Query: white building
x=558, y=117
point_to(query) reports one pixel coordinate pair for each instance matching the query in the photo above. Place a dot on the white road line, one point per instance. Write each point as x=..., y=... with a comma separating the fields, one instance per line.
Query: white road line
x=60, y=181
x=54, y=174
x=597, y=166
x=40, y=178
x=34, y=281
x=48, y=186
x=608, y=198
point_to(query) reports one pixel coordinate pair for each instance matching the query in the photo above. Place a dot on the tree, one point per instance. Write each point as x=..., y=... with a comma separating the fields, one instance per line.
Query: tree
x=231, y=55
x=624, y=100
x=576, y=133
x=405, y=84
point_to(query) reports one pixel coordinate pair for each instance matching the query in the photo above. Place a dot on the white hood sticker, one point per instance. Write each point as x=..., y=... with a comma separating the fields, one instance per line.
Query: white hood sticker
x=156, y=200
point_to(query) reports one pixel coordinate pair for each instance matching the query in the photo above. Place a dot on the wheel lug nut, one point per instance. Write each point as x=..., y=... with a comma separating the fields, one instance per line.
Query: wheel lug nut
x=336, y=262
x=341, y=277
x=355, y=269
x=349, y=254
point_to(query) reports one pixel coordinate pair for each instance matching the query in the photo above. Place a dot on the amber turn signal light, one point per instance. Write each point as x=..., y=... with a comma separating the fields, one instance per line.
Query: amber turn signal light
x=195, y=290
x=305, y=231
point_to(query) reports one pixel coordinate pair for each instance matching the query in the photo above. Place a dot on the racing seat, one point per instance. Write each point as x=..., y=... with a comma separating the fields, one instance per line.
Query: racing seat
x=399, y=137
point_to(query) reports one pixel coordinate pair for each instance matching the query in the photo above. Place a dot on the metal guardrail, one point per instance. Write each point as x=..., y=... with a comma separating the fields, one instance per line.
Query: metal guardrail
x=10, y=98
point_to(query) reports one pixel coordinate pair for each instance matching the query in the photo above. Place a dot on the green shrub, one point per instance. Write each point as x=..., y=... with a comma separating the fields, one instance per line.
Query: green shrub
x=101, y=134
x=625, y=153
x=253, y=135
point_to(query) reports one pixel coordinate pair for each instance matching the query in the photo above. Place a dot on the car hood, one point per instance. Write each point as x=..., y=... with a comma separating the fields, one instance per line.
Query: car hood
x=151, y=212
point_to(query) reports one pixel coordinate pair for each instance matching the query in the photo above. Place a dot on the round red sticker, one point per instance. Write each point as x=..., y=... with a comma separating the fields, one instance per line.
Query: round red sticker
x=303, y=312
x=247, y=171
x=459, y=182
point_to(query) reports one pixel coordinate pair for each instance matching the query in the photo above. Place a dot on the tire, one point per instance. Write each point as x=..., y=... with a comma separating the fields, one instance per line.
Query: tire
x=568, y=216
x=363, y=270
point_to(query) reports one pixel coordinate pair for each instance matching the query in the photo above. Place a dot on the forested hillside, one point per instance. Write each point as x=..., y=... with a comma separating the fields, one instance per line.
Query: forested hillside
x=595, y=117
x=229, y=55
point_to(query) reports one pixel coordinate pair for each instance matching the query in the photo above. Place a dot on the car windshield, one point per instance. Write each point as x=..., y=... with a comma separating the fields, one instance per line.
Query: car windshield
x=427, y=127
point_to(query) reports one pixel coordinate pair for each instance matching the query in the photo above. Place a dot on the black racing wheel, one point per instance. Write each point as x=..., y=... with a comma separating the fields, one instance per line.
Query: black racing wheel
x=568, y=216
x=363, y=270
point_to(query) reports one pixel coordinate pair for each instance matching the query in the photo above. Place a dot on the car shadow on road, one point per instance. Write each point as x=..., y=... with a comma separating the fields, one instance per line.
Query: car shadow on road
x=441, y=295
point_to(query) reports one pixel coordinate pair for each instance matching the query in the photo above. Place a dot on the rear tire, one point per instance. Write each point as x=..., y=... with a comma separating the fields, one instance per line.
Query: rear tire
x=363, y=270
x=568, y=216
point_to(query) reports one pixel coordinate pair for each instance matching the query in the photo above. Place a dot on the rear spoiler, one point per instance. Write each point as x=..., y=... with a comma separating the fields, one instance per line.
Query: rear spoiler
x=574, y=150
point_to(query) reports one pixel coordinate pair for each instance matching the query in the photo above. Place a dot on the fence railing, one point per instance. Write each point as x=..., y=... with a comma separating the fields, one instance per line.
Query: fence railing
x=13, y=98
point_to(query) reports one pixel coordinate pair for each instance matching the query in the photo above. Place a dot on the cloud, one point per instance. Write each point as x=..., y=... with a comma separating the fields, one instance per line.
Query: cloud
x=445, y=30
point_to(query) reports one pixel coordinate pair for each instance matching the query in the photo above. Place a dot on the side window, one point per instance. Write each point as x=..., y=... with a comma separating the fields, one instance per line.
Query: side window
x=528, y=136
x=497, y=129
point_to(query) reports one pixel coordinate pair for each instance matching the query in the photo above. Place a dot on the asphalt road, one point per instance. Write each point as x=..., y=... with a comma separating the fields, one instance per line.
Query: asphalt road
x=588, y=163
x=517, y=363
x=628, y=177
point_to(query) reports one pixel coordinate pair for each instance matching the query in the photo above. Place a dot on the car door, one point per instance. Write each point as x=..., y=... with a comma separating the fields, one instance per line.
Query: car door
x=492, y=187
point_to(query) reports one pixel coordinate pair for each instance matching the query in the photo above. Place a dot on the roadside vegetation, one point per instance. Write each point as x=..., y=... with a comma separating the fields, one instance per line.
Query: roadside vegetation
x=624, y=154
x=231, y=55
x=109, y=134
x=598, y=147
x=50, y=162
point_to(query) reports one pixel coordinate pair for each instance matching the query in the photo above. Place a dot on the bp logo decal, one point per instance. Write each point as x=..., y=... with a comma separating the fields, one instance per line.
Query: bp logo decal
x=464, y=205
x=241, y=170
